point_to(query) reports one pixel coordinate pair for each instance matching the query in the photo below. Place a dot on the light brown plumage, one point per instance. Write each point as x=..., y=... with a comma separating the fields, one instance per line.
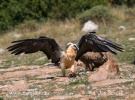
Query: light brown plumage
x=68, y=59
x=93, y=60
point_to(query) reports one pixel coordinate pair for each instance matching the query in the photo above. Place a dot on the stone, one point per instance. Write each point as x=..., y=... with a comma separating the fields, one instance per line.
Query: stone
x=110, y=82
x=106, y=71
x=122, y=28
x=89, y=26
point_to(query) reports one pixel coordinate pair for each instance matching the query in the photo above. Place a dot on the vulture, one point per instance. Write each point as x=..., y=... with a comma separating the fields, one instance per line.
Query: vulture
x=87, y=43
x=93, y=60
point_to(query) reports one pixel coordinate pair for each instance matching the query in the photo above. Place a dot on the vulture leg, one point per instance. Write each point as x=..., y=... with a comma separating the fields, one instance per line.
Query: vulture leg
x=62, y=65
x=88, y=66
x=72, y=69
x=103, y=57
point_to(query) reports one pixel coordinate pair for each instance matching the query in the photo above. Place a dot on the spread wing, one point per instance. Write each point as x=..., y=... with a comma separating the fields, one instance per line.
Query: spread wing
x=44, y=44
x=93, y=43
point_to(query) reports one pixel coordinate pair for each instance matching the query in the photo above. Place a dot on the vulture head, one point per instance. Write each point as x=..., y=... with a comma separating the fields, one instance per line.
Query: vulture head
x=73, y=46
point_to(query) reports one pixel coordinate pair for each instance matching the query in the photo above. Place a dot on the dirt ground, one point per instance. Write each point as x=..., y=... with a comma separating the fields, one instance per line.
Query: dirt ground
x=45, y=83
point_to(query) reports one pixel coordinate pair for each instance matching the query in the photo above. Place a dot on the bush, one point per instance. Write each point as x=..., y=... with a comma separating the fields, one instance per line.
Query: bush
x=117, y=2
x=97, y=13
x=129, y=3
x=14, y=12
x=130, y=13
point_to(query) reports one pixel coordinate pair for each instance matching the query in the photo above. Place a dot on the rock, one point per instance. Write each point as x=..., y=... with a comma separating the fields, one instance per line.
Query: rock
x=131, y=39
x=5, y=86
x=89, y=26
x=122, y=28
x=133, y=76
x=62, y=80
x=108, y=70
x=18, y=68
x=63, y=97
x=17, y=36
x=2, y=51
x=15, y=86
x=110, y=82
x=30, y=73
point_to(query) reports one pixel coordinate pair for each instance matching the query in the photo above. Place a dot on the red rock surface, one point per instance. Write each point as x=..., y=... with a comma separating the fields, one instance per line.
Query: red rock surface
x=108, y=70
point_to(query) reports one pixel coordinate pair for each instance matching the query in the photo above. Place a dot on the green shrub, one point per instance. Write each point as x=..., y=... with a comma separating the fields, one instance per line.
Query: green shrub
x=130, y=13
x=97, y=13
x=14, y=12
x=117, y=2
x=130, y=3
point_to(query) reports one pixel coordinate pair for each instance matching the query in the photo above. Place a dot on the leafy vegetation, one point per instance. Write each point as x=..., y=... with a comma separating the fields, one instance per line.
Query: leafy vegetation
x=129, y=3
x=98, y=13
x=14, y=12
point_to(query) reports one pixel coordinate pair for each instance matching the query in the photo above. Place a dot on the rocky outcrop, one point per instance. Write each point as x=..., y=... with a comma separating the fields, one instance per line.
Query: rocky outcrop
x=109, y=69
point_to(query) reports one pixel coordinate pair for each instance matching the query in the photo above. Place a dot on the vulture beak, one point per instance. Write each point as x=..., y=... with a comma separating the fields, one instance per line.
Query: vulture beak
x=76, y=47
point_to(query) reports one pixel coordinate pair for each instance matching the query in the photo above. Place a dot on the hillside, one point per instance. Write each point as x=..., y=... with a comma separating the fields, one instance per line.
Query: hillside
x=30, y=74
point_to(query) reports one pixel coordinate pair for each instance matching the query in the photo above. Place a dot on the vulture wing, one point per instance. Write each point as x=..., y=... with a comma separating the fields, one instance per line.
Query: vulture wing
x=44, y=44
x=93, y=43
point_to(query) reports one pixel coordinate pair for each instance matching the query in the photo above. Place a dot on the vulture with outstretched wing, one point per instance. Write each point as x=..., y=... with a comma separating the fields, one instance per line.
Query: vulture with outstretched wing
x=87, y=43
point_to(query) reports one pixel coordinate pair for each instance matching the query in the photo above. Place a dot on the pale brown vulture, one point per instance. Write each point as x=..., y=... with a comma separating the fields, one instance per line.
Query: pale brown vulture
x=93, y=60
x=87, y=43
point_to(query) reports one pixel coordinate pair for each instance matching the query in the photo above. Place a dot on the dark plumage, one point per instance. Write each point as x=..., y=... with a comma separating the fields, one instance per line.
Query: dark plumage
x=92, y=42
x=87, y=43
x=47, y=45
x=93, y=60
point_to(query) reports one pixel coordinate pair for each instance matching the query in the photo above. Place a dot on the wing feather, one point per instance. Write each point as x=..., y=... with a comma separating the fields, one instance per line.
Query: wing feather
x=93, y=43
x=47, y=45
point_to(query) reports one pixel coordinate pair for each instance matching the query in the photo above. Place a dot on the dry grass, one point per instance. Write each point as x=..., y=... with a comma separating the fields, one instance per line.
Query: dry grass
x=70, y=30
x=117, y=11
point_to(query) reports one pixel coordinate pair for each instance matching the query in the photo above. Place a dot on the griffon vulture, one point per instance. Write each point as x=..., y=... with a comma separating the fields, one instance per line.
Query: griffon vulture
x=93, y=60
x=87, y=43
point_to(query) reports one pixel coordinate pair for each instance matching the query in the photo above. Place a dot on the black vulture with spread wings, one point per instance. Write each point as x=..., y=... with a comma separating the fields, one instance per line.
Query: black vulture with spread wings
x=87, y=43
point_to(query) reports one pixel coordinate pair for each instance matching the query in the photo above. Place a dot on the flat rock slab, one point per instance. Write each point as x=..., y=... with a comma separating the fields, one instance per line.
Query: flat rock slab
x=19, y=68
x=111, y=81
x=61, y=80
x=133, y=76
x=63, y=97
x=21, y=85
x=31, y=72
